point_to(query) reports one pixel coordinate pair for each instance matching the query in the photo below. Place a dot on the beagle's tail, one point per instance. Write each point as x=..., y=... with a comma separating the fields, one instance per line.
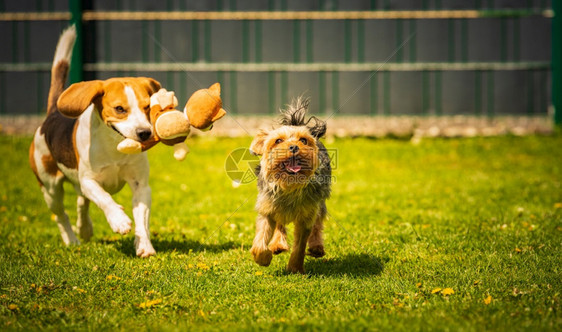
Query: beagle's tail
x=61, y=66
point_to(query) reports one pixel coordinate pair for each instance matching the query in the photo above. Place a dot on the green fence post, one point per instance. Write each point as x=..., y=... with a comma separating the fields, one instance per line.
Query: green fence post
x=557, y=61
x=76, y=68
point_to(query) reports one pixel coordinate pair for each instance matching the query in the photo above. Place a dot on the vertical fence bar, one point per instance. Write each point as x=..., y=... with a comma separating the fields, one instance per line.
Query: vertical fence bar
x=543, y=101
x=386, y=92
x=284, y=87
x=271, y=91
x=335, y=92
x=413, y=46
x=322, y=92
x=296, y=41
x=40, y=98
x=360, y=41
x=530, y=91
x=399, y=40
x=258, y=30
x=15, y=42
x=464, y=40
x=3, y=94
x=516, y=39
x=207, y=40
x=503, y=39
x=438, y=92
x=183, y=86
x=158, y=36
x=76, y=68
x=106, y=41
x=490, y=93
x=347, y=40
x=374, y=97
x=195, y=41
x=478, y=92
x=556, y=64
x=309, y=41
x=144, y=41
x=233, y=92
x=451, y=40
x=425, y=92
x=26, y=42
x=245, y=41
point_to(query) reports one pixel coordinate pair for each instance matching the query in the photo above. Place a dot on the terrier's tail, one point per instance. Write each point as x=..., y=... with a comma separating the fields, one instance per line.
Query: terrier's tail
x=61, y=66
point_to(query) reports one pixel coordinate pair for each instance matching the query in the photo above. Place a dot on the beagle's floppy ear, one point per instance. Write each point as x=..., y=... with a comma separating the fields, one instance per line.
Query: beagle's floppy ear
x=257, y=147
x=151, y=85
x=74, y=100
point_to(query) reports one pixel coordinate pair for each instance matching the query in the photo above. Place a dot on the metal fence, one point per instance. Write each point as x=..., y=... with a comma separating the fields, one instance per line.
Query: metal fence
x=351, y=57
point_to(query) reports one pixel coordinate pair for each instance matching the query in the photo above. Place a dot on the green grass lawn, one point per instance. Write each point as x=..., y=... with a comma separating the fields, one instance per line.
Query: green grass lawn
x=480, y=219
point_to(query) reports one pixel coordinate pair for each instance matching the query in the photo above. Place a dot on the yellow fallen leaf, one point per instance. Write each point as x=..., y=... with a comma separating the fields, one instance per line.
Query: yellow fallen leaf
x=518, y=250
x=558, y=205
x=149, y=304
x=436, y=290
x=13, y=307
x=476, y=282
x=447, y=291
x=418, y=285
x=79, y=290
x=488, y=300
x=258, y=273
x=202, y=266
x=112, y=277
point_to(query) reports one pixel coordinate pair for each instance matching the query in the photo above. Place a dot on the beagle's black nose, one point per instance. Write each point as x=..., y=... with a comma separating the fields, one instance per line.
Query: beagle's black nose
x=293, y=148
x=144, y=134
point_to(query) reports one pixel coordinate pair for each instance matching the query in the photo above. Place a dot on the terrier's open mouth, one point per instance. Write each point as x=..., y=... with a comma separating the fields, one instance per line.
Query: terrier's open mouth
x=292, y=165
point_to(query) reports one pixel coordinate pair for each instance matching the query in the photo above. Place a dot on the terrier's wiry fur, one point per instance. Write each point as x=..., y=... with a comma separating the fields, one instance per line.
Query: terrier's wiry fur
x=294, y=177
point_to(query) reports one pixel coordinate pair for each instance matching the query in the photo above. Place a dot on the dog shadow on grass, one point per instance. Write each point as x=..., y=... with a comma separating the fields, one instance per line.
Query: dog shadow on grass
x=184, y=246
x=355, y=265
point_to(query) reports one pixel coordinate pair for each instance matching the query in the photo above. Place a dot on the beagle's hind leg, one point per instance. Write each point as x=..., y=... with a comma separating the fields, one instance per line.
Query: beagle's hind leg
x=53, y=193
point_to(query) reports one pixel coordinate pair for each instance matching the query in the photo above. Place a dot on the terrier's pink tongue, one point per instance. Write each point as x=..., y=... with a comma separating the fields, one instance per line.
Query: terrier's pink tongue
x=294, y=168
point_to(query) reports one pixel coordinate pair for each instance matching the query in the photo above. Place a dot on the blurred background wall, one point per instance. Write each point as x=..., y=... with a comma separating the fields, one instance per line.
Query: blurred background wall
x=495, y=60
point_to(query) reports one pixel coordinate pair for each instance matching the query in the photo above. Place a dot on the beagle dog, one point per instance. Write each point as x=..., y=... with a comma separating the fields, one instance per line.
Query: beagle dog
x=77, y=143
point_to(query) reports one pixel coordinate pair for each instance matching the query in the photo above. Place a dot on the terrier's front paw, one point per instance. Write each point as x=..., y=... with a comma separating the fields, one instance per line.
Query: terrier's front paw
x=278, y=248
x=262, y=257
x=144, y=248
x=119, y=222
x=316, y=251
x=297, y=268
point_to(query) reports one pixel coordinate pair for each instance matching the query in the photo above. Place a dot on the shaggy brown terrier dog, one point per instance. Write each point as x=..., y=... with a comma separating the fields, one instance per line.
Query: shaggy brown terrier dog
x=294, y=177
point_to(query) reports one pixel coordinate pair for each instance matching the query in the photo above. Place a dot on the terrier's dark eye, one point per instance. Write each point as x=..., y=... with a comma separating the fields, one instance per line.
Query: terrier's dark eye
x=120, y=109
x=147, y=108
x=277, y=141
x=304, y=141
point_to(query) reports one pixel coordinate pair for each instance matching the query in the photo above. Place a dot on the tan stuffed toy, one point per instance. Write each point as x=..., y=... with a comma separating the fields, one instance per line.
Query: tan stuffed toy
x=205, y=107
x=172, y=126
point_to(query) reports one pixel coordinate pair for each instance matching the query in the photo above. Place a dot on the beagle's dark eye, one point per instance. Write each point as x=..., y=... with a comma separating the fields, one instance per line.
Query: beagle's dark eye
x=277, y=141
x=147, y=108
x=303, y=141
x=120, y=109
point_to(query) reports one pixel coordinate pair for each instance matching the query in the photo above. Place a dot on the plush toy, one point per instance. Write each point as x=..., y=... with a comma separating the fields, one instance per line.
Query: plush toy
x=172, y=126
x=205, y=107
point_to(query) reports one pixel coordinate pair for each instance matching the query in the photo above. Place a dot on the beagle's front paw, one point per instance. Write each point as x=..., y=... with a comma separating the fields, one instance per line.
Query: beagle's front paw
x=119, y=222
x=144, y=248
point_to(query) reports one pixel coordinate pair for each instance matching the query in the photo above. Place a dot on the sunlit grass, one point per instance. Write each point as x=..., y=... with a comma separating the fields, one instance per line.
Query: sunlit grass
x=481, y=216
